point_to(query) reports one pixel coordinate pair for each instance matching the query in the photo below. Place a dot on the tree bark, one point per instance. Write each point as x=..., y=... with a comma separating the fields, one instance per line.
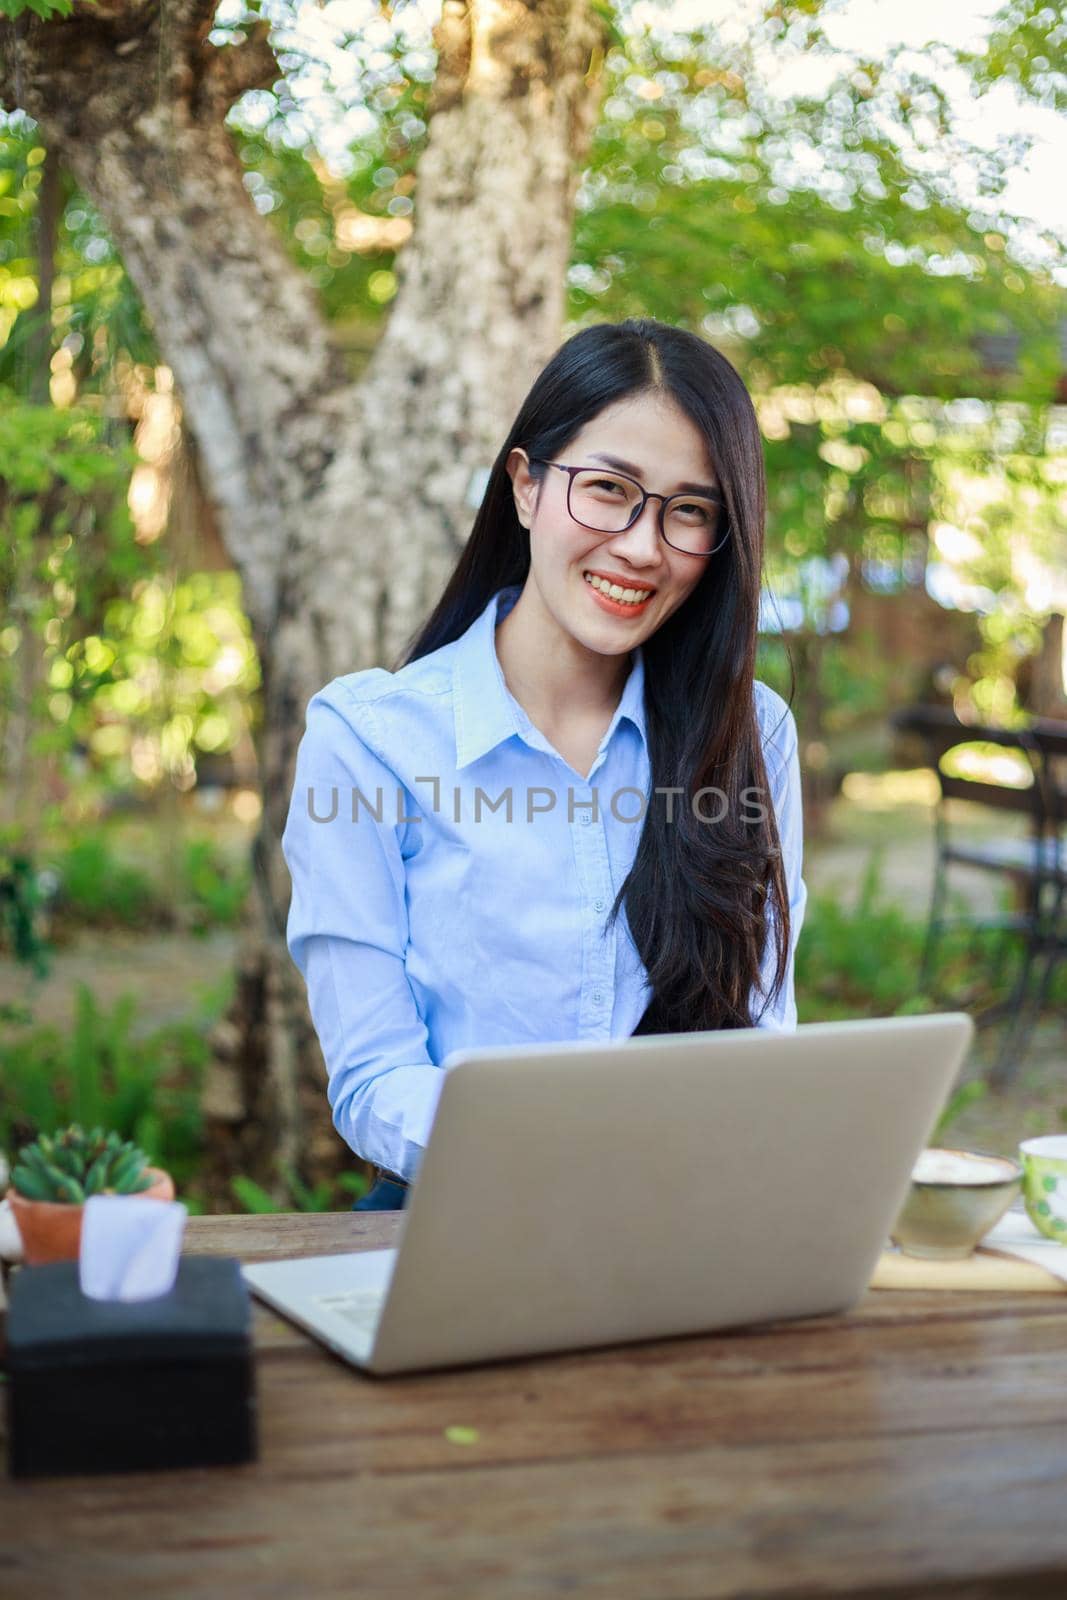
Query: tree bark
x=342, y=505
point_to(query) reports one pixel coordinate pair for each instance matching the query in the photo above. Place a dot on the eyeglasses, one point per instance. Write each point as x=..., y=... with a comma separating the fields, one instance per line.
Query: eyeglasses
x=611, y=502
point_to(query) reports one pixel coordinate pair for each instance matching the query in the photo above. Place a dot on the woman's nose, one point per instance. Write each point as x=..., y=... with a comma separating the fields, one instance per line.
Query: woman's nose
x=641, y=540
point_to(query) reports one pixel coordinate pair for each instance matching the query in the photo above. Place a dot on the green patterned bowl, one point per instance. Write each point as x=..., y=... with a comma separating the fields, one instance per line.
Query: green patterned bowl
x=955, y=1197
x=1045, y=1184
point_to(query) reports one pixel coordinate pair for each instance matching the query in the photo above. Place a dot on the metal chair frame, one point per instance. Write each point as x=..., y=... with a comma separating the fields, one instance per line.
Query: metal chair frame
x=1037, y=865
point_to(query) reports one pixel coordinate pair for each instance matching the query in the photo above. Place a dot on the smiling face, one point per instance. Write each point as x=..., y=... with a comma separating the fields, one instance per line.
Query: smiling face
x=664, y=449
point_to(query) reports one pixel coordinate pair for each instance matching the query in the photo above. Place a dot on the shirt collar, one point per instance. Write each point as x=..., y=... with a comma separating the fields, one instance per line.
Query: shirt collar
x=486, y=713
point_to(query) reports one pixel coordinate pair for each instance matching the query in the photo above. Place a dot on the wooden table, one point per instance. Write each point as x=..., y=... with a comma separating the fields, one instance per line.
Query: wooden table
x=915, y=1447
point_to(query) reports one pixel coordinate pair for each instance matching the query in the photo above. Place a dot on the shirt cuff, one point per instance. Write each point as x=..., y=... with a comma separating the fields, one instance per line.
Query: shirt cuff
x=387, y=1120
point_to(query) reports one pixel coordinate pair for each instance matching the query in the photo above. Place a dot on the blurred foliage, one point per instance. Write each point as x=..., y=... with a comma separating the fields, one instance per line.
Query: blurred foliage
x=41, y=8
x=168, y=674
x=697, y=154
x=861, y=958
x=858, y=960
x=215, y=888
x=21, y=898
x=958, y=1102
x=1028, y=47
x=898, y=331
x=91, y=882
x=143, y=666
x=66, y=541
x=100, y=1072
x=325, y=1196
x=92, y=886
x=96, y=318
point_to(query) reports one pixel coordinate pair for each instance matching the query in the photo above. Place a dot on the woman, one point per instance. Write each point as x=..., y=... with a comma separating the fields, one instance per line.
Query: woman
x=572, y=812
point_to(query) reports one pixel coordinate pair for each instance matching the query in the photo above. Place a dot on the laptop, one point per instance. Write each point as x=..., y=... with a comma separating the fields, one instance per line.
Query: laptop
x=575, y=1195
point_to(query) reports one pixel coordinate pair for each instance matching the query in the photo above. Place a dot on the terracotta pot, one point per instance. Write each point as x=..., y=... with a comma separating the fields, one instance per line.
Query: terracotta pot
x=52, y=1231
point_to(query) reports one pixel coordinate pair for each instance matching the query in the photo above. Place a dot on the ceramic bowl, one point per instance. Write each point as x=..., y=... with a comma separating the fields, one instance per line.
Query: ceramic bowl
x=1045, y=1184
x=955, y=1197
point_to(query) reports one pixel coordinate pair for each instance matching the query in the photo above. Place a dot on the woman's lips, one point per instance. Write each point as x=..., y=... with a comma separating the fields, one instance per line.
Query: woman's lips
x=616, y=607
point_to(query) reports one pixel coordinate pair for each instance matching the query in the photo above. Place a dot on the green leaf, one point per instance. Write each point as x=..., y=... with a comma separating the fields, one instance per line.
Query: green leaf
x=45, y=9
x=94, y=1181
x=318, y=1199
x=458, y=1434
x=70, y=1189
x=252, y=1196
x=33, y=1185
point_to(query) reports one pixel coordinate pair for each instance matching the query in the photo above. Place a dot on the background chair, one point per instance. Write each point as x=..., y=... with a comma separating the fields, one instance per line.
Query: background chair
x=1036, y=865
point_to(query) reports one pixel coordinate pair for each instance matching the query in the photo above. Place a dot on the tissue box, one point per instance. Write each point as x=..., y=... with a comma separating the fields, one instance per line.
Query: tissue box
x=120, y=1386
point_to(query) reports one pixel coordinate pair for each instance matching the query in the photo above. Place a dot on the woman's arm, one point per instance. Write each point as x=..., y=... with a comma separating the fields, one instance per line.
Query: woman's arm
x=779, y=731
x=348, y=931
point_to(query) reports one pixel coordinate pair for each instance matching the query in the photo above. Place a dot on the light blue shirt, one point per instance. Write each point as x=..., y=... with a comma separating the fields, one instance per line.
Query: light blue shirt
x=433, y=921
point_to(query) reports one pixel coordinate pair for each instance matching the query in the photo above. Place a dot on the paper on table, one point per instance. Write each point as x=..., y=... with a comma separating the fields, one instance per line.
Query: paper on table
x=129, y=1246
x=984, y=1272
x=1015, y=1235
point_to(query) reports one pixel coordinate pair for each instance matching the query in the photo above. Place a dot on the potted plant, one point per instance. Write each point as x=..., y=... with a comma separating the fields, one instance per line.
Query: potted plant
x=54, y=1176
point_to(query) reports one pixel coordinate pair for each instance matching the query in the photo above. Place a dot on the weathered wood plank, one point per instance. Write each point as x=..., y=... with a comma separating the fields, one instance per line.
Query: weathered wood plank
x=915, y=1447
x=710, y=1521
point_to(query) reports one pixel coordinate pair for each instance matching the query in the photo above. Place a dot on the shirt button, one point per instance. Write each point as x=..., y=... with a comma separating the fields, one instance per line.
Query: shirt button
x=598, y=905
x=597, y=996
x=586, y=819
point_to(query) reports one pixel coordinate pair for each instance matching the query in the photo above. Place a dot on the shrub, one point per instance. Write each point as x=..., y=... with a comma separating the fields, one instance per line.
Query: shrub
x=96, y=887
x=99, y=1074
x=213, y=887
x=864, y=959
x=857, y=960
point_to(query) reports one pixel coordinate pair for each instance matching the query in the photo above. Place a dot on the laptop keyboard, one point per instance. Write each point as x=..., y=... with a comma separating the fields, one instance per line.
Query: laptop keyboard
x=360, y=1307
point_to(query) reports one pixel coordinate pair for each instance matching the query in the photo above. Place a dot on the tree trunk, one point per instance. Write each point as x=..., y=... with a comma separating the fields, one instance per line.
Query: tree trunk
x=343, y=506
x=1044, y=679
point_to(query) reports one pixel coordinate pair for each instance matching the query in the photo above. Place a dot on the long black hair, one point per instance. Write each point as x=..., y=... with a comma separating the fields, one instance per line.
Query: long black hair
x=702, y=898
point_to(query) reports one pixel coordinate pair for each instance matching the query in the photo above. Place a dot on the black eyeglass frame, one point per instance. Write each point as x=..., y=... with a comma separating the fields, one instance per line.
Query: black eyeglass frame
x=646, y=495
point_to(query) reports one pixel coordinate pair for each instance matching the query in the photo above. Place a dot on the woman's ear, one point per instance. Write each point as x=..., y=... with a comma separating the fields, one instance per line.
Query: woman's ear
x=523, y=486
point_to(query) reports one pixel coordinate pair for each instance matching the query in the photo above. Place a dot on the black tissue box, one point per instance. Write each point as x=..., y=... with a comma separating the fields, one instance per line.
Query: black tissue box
x=120, y=1386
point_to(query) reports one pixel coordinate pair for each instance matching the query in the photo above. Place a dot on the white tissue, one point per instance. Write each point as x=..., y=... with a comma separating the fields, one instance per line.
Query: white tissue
x=130, y=1246
x=10, y=1237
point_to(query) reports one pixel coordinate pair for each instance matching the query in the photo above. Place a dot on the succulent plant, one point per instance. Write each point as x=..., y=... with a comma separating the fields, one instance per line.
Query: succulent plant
x=72, y=1165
